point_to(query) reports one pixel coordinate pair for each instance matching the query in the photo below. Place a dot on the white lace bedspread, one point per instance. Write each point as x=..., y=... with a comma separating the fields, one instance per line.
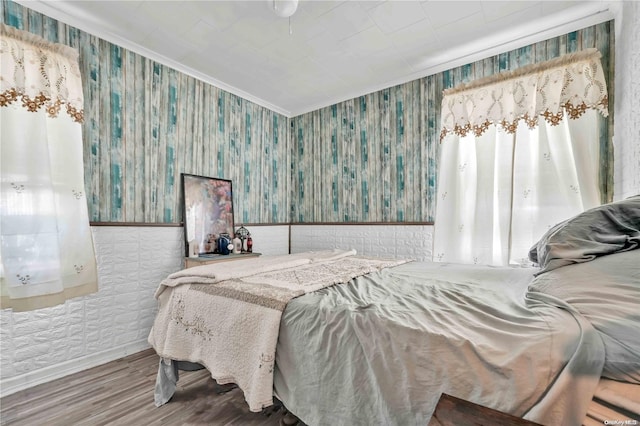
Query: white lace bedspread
x=226, y=316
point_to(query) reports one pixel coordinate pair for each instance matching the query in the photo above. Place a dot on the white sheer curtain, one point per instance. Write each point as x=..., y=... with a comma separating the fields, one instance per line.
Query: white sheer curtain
x=46, y=249
x=505, y=177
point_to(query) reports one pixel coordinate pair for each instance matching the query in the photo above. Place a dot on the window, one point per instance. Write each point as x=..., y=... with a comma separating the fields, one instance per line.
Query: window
x=518, y=155
x=46, y=248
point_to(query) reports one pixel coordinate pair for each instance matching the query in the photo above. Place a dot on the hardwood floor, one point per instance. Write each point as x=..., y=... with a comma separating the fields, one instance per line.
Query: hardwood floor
x=121, y=393
x=452, y=411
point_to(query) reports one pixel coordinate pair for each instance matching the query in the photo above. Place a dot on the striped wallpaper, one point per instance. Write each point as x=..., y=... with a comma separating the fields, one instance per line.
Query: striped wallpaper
x=369, y=159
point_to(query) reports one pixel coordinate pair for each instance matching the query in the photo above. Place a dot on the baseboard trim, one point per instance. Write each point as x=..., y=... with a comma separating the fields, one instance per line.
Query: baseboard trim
x=15, y=384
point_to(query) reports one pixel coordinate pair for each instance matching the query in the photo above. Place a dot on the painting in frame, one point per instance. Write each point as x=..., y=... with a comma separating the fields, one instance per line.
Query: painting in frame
x=207, y=212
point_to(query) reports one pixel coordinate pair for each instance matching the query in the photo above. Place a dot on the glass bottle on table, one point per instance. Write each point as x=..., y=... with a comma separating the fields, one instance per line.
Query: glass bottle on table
x=237, y=244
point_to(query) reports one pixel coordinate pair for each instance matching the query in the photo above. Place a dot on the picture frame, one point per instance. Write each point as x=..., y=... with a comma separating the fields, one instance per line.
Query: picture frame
x=207, y=211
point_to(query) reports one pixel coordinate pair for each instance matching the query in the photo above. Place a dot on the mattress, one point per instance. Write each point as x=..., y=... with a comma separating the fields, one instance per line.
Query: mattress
x=382, y=348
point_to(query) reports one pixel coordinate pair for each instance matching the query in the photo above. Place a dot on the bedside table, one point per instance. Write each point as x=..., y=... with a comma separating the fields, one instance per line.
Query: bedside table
x=190, y=262
x=452, y=411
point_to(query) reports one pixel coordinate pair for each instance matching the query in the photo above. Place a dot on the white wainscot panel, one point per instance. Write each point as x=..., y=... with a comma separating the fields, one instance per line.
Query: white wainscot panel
x=395, y=240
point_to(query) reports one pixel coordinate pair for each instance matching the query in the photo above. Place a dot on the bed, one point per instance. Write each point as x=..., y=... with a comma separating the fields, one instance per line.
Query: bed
x=345, y=339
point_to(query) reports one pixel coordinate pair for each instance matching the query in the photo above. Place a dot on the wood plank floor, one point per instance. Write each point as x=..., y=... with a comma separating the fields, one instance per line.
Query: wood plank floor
x=121, y=393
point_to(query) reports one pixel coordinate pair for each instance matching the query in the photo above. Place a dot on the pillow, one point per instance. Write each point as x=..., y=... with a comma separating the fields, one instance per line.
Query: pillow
x=606, y=229
x=606, y=292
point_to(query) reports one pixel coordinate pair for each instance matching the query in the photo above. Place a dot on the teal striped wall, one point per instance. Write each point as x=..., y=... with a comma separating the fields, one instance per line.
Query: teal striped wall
x=363, y=159
x=369, y=159
x=146, y=123
x=373, y=159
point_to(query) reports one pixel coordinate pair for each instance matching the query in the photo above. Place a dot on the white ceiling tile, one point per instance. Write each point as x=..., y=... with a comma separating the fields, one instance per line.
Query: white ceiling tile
x=517, y=18
x=325, y=47
x=441, y=13
x=200, y=36
x=391, y=17
x=345, y=20
x=372, y=4
x=494, y=10
x=461, y=30
x=558, y=5
x=365, y=42
x=414, y=36
x=317, y=8
x=223, y=14
x=168, y=14
x=286, y=49
x=351, y=68
x=252, y=30
x=305, y=26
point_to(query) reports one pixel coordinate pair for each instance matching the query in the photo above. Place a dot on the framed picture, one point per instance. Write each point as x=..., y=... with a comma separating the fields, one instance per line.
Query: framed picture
x=207, y=212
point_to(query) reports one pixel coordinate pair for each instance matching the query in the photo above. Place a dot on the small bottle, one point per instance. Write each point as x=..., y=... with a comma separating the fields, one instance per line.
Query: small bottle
x=249, y=244
x=237, y=244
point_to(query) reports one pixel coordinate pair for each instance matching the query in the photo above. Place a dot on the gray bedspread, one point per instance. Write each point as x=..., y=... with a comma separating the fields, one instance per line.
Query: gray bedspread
x=381, y=349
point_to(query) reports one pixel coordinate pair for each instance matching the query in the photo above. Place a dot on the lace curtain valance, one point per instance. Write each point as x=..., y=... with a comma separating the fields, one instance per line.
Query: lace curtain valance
x=37, y=74
x=571, y=83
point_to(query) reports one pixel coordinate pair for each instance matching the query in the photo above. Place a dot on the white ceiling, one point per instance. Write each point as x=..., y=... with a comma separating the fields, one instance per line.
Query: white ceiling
x=338, y=50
